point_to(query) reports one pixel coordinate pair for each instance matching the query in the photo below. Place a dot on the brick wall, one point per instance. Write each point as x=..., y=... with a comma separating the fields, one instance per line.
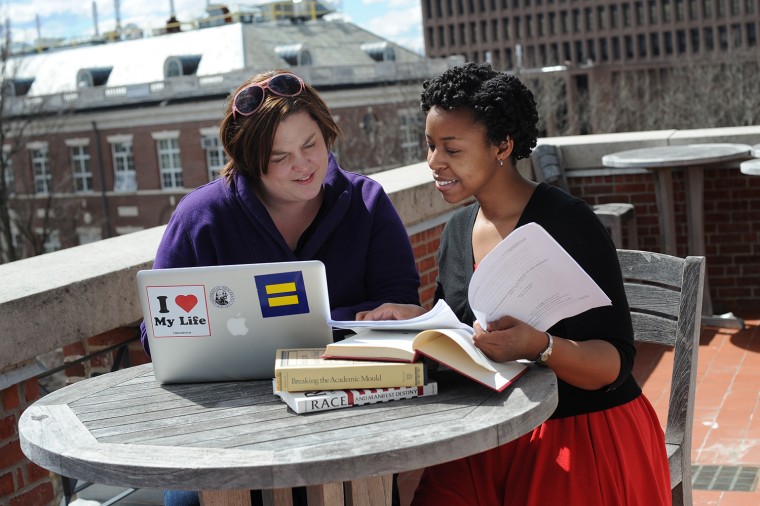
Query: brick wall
x=732, y=227
x=425, y=246
x=22, y=483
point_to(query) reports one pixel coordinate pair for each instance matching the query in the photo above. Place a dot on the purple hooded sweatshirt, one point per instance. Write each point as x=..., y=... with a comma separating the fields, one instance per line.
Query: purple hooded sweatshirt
x=357, y=235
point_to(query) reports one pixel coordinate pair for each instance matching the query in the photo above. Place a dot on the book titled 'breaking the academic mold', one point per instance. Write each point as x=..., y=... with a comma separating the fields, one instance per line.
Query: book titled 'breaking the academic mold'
x=304, y=369
x=323, y=400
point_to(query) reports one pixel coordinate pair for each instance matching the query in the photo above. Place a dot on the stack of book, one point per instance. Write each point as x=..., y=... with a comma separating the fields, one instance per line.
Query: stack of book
x=307, y=382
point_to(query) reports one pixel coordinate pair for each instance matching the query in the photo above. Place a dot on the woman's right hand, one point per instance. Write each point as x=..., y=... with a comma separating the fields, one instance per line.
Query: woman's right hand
x=392, y=311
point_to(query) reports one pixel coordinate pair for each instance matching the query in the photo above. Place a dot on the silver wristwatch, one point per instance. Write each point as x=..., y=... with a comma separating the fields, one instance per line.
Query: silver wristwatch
x=544, y=355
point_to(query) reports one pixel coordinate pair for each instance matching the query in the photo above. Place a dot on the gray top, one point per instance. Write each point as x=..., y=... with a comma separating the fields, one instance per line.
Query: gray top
x=125, y=429
x=676, y=156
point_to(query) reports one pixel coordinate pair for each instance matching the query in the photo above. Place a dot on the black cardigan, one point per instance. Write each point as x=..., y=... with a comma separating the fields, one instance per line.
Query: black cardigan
x=574, y=225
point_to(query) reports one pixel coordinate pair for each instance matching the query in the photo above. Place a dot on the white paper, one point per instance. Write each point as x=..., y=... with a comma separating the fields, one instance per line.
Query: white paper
x=529, y=276
x=440, y=317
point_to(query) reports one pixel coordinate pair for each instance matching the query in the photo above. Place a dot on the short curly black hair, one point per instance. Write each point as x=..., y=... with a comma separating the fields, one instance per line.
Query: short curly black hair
x=501, y=102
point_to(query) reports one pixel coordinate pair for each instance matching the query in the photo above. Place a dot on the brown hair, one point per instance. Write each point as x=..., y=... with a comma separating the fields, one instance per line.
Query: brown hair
x=247, y=140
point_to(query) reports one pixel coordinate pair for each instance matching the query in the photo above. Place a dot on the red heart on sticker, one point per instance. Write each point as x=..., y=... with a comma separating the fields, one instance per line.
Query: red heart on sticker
x=186, y=302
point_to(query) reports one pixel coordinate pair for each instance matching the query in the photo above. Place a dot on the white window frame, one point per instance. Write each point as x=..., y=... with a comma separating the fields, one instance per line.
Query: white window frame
x=10, y=178
x=169, y=161
x=125, y=175
x=53, y=241
x=410, y=123
x=81, y=168
x=40, y=161
x=216, y=158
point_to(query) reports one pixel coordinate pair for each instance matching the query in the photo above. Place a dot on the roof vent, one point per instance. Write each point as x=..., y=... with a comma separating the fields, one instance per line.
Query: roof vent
x=96, y=76
x=379, y=51
x=295, y=54
x=187, y=65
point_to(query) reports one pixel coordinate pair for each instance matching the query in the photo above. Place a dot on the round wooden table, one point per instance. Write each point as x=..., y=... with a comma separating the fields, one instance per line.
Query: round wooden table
x=125, y=429
x=692, y=158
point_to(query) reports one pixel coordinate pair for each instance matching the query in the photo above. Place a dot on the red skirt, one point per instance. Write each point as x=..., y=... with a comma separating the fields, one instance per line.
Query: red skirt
x=611, y=457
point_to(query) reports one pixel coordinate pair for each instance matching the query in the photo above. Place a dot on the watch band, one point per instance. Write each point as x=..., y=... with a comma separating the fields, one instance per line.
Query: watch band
x=544, y=355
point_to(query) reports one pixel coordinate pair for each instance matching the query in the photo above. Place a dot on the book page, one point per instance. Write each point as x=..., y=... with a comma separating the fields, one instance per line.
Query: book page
x=440, y=317
x=529, y=276
x=371, y=343
x=462, y=339
x=449, y=353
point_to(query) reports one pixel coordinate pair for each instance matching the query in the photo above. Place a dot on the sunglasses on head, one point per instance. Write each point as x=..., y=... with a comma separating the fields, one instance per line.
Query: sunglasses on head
x=249, y=99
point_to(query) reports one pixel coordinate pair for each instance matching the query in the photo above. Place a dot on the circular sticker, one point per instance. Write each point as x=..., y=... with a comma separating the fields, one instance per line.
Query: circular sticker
x=222, y=297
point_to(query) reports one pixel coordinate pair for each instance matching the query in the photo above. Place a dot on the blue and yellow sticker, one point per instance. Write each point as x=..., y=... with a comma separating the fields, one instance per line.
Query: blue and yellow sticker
x=282, y=294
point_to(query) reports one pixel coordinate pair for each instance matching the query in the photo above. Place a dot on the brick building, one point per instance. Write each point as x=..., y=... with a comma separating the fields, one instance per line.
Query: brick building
x=102, y=139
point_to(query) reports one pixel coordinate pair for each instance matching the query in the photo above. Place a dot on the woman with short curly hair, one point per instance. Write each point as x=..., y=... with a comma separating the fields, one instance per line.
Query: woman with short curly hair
x=604, y=444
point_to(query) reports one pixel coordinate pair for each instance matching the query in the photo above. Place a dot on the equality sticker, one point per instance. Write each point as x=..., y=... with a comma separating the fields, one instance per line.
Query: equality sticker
x=178, y=311
x=221, y=297
x=282, y=294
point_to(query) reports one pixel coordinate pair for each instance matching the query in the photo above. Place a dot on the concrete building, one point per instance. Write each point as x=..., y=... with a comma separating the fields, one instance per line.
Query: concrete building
x=104, y=138
x=592, y=43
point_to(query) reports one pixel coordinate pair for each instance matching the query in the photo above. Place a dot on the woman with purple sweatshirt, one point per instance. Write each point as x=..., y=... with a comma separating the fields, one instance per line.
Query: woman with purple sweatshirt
x=283, y=197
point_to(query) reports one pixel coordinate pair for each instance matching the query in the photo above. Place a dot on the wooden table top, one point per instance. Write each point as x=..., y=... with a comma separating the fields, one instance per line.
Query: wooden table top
x=123, y=428
x=677, y=156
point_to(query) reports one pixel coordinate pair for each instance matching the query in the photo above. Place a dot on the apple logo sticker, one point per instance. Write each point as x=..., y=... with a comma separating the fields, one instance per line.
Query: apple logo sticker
x=237, y=326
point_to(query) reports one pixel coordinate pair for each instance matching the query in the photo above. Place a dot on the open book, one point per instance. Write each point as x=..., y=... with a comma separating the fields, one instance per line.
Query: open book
x=528, y=275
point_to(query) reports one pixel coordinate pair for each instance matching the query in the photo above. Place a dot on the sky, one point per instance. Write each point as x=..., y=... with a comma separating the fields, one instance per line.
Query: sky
x=397, y=20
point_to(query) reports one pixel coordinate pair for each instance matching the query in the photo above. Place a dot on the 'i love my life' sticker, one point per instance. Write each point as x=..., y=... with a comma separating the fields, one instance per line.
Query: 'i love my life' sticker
x=178, y=311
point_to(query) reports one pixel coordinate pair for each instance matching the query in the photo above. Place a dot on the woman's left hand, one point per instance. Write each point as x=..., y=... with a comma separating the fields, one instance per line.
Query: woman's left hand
x=509, y=339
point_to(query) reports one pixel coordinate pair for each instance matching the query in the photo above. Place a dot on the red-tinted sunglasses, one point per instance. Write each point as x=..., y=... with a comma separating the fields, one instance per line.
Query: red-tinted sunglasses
x=249, y=99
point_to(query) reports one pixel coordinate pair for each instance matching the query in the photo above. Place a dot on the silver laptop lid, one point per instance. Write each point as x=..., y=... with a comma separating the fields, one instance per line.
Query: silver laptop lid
x=224, y=323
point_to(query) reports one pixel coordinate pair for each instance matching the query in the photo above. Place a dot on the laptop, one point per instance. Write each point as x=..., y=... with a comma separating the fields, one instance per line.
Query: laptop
x=225, y=323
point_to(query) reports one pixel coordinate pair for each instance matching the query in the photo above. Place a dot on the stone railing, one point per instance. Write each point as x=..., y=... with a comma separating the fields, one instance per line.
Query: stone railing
x=83, y=299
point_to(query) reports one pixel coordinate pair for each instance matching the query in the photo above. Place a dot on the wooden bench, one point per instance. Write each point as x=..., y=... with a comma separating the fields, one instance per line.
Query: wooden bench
x=665, y=296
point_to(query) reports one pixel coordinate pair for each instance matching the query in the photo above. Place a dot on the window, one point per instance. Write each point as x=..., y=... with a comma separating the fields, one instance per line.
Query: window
x=652, y=12
x=600, y=24
x=709, y=41
x=81, y=170
x=720, y=8
x=693, y=10
x=383, y=51
x=186, y=65
x=52, y=241
x=681, y=39
x=736, y=35
x=169, y=165
x=125, y=177
x=694, y=32
x=7, y=164
x=654, y=39
x=88, y=235
x=88, y=78
x=43, y=178
x=216, y=158
x=751, y=34
x=411, y=127
x=639, y=13
x=298, y=55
